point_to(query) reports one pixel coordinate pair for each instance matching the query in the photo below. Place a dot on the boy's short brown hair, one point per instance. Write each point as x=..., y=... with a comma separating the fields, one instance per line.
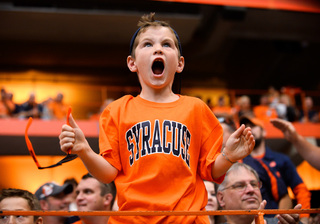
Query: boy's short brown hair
x=147, y=21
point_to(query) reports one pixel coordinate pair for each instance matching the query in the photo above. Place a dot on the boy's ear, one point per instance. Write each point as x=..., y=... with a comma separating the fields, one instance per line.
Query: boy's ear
x=131, y=64
x=180, y=64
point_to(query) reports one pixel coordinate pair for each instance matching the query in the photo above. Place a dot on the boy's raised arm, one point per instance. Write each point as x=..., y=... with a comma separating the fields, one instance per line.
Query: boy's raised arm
x=238, y=146
x=72, y=137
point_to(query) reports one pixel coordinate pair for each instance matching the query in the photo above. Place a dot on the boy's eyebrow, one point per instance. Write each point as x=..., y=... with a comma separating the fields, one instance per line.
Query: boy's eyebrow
x=137, y=31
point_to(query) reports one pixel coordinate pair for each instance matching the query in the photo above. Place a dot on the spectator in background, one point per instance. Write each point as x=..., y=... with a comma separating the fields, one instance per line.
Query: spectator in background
x=228, y=126
x=273, y=96
x=4, y=110
x=311, y=115
x=276, y=171
x=285, y=108
x=284, y=199
x=58, y=108
x=222, y=109
x=106, y=102
x=54, y=197
x=13, y=107
x=240, y=190
x=244, y=106
x=212, y=204
x=7, y=107
x=12, y=199
x=92, y=195
x=30, y=108
x=47, y=113
x=264, y=111
x=73, y=195
x=209, y=103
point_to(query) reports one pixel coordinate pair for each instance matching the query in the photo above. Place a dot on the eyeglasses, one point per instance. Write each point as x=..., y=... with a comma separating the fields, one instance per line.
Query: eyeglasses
x=68, y=158
x=242, y=186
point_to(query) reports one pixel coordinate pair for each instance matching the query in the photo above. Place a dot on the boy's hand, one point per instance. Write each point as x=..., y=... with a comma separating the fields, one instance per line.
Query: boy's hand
x=72, y=137
x=240, y=144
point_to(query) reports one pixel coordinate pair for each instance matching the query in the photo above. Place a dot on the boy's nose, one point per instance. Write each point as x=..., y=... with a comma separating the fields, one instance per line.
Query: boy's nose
x=158, y=52
x=158, y=49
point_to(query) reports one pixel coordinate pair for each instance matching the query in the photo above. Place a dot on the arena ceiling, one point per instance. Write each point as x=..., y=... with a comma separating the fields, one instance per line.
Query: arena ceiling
x=224, y=46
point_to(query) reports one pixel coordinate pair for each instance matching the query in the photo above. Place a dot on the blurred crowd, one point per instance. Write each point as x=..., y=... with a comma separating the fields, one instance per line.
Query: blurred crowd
x=255, y=177
x=51, y=108
x=273, y=104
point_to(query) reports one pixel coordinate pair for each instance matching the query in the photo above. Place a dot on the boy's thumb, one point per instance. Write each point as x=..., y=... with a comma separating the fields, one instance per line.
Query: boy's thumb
x=72, y=122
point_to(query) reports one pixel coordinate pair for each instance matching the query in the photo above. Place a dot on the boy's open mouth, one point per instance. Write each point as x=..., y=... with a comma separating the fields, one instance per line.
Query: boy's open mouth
x=157, y=67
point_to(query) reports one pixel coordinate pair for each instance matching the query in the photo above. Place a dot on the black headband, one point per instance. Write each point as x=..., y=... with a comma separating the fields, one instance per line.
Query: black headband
x=136, y=33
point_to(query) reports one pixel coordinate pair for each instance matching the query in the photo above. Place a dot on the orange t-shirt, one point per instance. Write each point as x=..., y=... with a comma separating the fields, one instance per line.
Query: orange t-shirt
x=264, y=113
x=162, y=151
x=59, y=110
x=222, y=110
x=3, y=110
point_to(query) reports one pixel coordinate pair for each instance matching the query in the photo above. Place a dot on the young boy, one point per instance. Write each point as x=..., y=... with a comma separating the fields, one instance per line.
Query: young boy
x=159, y=146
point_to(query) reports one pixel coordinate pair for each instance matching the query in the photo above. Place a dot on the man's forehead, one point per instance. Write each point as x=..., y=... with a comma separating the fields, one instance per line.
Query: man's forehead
x=88, y=183
x=241, y=174
x=14, y=203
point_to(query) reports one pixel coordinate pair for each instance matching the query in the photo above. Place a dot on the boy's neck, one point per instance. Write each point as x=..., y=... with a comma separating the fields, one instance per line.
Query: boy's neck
x=159, y=97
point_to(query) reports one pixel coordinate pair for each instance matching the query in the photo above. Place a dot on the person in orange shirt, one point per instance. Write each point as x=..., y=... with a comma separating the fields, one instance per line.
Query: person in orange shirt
x=223, y=110
x=263, y=111
x=58, y=107
x=158, y=146
x=7, y=106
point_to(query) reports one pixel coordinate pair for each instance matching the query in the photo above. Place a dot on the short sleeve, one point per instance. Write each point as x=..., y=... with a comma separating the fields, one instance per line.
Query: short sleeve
x=211, y=143
x=109, y=138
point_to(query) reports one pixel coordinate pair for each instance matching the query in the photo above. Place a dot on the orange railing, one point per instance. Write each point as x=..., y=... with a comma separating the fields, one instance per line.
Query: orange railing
x=258, y=219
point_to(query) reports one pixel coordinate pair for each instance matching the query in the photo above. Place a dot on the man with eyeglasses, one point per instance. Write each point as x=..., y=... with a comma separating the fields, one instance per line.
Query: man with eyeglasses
x=276, y=171
x=240, y=190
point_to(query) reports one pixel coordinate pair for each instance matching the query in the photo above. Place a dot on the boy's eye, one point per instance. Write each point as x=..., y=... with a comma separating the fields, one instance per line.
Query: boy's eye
x=147, y=44
x=167, y=45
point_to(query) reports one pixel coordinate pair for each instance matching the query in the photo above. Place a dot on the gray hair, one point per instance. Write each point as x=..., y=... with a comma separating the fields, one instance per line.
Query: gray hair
x=236, y=167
